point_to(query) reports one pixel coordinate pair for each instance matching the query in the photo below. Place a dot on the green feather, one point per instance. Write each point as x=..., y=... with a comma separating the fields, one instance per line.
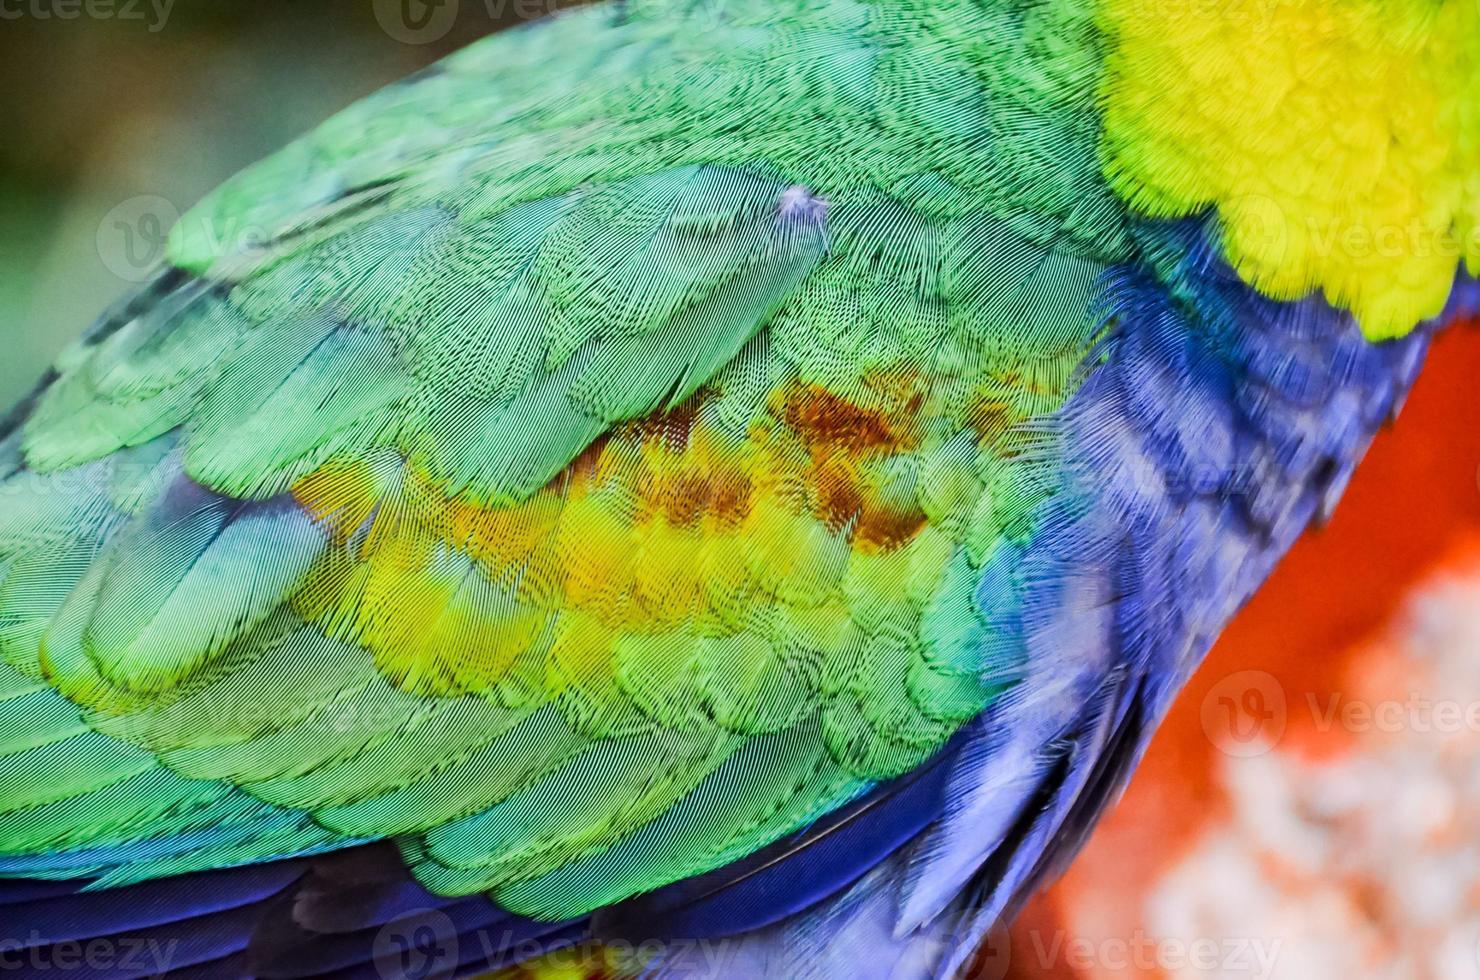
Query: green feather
x=464, y=283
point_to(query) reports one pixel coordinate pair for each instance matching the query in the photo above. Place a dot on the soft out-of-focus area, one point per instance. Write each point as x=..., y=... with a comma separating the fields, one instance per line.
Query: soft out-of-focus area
x=1310, y=808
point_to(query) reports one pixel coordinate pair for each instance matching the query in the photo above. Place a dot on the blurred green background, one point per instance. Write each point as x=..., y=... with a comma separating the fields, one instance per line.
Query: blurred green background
x=116, y=115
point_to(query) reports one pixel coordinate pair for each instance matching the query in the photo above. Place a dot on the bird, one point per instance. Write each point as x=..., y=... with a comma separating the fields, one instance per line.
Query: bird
x=726, y=490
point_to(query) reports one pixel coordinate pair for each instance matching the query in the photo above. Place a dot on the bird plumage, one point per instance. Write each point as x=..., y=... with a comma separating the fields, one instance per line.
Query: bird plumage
x=685, y=470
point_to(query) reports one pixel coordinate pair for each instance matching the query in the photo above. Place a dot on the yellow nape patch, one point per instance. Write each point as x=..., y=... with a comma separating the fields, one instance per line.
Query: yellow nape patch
x=1339, y=141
